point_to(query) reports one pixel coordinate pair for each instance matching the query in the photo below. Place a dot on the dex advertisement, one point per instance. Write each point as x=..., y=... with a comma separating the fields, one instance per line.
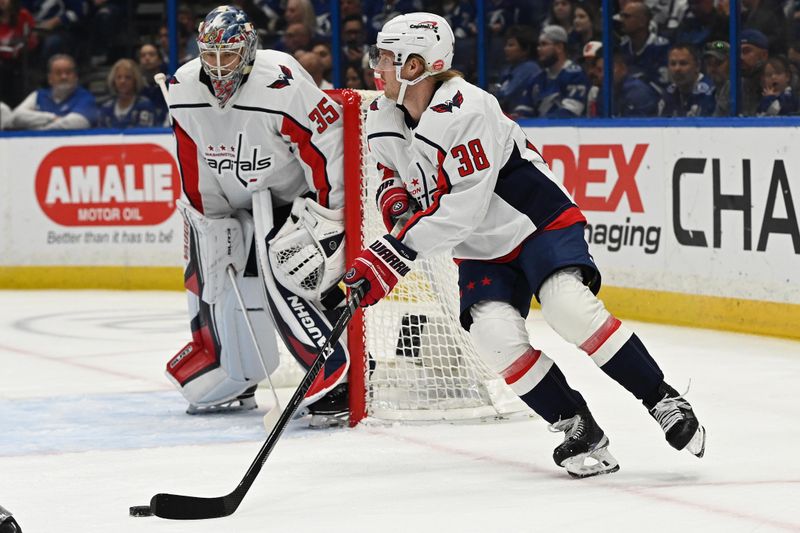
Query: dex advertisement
x=708, y=211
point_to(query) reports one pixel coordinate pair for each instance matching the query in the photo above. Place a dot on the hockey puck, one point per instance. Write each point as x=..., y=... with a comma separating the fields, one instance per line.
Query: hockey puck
x=141, y=510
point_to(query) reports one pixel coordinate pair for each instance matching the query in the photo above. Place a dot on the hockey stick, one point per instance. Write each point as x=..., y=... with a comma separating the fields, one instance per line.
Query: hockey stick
x=180, y=507
x=232, y=275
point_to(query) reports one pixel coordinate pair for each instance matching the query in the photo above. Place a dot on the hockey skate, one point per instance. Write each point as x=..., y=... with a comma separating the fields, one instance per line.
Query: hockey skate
x=244, y=402
x=332, y=410
x=583, y=440
x=676, y=417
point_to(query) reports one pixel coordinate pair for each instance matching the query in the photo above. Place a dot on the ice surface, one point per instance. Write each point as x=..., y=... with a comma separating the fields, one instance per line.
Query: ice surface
x=91, y=427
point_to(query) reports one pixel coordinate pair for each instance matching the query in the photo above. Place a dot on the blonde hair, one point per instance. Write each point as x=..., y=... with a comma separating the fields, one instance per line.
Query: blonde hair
x=138, y=79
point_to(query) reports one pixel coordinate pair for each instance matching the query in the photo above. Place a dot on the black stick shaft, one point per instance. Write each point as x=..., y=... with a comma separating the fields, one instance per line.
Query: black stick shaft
x=180, y=507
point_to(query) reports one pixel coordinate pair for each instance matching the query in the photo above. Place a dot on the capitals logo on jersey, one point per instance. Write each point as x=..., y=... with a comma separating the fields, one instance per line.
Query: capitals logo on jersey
x=284, y=79
x=448, y=106
x=224, y=157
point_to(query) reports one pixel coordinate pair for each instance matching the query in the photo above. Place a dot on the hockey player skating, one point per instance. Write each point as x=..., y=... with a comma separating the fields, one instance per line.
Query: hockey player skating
x=477, y=186
x=260, y=150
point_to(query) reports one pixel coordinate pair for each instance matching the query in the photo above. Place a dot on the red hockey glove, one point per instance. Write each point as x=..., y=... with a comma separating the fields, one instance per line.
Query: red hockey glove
x=380, y=266
x=393, y=201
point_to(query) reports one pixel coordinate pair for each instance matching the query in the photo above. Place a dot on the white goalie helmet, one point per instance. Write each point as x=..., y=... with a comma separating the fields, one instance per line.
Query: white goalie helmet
x=424, y=34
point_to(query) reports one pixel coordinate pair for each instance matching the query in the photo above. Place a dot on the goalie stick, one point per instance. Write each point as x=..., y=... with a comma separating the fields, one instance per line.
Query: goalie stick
x=179, y=507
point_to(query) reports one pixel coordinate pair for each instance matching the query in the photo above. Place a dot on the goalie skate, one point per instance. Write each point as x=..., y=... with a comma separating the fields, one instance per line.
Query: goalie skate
x=244, y=402
x=584, y=452
x=331, y=410
x=678, y=421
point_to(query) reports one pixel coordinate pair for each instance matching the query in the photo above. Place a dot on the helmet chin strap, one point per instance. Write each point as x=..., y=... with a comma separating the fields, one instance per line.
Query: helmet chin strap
x=404, y=83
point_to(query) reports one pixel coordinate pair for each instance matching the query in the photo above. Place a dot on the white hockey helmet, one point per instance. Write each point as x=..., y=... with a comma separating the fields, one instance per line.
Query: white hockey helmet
x=424, y=34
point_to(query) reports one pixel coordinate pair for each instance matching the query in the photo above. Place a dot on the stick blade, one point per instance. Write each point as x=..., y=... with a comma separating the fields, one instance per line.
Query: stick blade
x=177, y=507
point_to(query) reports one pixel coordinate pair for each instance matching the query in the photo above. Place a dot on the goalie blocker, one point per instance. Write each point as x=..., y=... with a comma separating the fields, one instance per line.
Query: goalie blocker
x=220, y=368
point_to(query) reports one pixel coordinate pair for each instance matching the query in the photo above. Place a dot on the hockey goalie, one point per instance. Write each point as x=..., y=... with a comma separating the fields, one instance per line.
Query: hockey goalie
x=260, y=150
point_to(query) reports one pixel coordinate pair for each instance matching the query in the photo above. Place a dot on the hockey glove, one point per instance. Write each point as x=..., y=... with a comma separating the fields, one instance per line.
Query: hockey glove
x=380, y=266
x=394, y=202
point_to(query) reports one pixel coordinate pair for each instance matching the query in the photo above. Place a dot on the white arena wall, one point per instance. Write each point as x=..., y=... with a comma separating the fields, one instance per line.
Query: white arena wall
x=689, y=225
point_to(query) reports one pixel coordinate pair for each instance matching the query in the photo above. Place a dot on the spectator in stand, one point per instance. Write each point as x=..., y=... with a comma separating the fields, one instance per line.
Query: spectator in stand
x=753, y=56
x=767, y=17
x=300, y=12
x=126, y=108
x=778, y=98
x=794, y=65
x=562, y=13
x=644, y=51
x=354, y=39
x=150, y=64
x=499, y=16
x=17, y=41
x=701, y=24
x=517, y=76
x=58, y=24
x=105, y=24
x=631, y=97
x=354, y=78
x=460, y=14
x=585, y=28
x=64, y=106
x=691, y=93
x=666, y=15
x=716, y=57
x=187, y=37
x=313, y=65
x=323, y=51
x=297, y=37
x=560, y=90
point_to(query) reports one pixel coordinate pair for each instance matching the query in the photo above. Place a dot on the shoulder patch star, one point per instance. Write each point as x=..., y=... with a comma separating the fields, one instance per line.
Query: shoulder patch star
x=486, y=281
x=470, y=285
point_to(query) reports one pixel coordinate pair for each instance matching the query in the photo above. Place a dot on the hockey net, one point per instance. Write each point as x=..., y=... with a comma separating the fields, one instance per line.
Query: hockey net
x=410, y=358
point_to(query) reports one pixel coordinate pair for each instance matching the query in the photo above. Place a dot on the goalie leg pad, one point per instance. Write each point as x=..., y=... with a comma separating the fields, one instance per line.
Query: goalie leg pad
x=304, y=329
x=221, y=363
x=211, y=245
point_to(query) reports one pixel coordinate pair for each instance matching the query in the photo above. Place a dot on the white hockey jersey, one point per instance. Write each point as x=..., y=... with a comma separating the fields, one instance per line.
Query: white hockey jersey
x=278, y=125
x=482, y=186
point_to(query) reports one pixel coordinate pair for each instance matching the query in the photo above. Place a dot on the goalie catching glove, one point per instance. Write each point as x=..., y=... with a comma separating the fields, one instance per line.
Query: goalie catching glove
x=380, y=266
x=394, y=202
x=307, y=254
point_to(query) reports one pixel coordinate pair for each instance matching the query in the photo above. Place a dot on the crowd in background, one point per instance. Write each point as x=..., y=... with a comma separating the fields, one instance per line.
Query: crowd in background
x=70, y=64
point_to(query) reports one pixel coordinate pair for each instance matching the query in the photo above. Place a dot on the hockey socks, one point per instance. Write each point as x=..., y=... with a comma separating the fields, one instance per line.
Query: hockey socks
x=634, y=368
x=552, y=398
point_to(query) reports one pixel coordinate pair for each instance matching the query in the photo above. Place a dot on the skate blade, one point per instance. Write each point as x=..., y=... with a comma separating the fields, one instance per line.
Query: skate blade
x=697, y=446
x=605, y=464
x=230, y=407
x=328, y=421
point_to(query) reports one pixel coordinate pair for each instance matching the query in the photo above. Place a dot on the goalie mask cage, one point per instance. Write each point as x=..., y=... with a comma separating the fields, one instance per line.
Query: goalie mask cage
x=410, y=358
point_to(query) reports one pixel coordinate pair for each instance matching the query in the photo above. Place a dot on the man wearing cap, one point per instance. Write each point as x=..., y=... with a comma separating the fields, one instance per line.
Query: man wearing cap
x=631, y=97
x=691, y=93
x=753, y=56
x=560, y=90
x=716, y=58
